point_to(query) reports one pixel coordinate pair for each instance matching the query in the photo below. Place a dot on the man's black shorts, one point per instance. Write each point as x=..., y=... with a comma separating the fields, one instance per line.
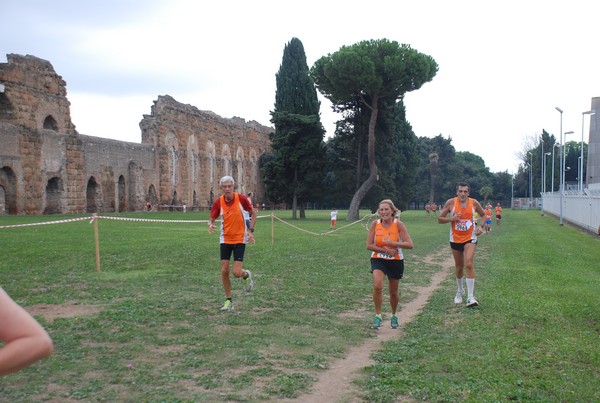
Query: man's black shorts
x=237, y=249
x=392, y=268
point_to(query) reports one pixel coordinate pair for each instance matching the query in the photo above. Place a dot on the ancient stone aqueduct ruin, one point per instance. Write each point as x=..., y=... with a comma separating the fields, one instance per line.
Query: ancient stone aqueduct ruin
x=47, y=167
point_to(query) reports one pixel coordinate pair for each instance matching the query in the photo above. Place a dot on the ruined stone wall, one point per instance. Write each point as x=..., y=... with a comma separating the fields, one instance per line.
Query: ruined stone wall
x=196, y=148
x=33, y=91
x=47, y=167
x=109, y=161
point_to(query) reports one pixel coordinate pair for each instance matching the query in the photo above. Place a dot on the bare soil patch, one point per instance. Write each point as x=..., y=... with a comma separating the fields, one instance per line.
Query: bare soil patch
x=67, y=310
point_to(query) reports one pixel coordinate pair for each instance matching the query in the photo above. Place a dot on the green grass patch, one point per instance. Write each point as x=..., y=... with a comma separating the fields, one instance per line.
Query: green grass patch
x=148, y=326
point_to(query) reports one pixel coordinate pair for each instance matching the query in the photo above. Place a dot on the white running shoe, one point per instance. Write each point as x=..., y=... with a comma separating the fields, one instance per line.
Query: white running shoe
x=248, y=282
x=472, y=302
x=227, y=306
x=458, y=297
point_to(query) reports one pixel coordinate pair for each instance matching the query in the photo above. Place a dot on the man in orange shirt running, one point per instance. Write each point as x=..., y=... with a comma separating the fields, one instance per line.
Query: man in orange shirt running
x=460, y=213
x=487, y=226
x=235, y=234
x=498, y=213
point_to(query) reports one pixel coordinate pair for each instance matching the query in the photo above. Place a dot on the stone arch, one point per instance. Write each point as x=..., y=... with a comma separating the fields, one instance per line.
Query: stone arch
x=8, y=183
x=211, y=153
x=50, y=123
x=121, y=194
x=195, y=170
x=239, y=164
x=7, y=110
x=174, y=202
x=93, y=195
x=55, y=194
x=151, y=196
x=172, y=148
x=192, y=154
x=253, y=158
x=226, y=157
x=2, y=200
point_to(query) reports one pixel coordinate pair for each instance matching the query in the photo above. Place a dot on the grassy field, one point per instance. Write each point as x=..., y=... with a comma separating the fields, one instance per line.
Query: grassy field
x=148, y=326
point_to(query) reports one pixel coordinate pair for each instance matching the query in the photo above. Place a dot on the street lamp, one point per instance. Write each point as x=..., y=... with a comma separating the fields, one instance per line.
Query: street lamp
x=543, y=191
x=544, y=169
x=542, y=165
x=581, y=162
x=530, y=179
x=553, y=147
x=564, y=162
x=512, y=191
x=561, y=166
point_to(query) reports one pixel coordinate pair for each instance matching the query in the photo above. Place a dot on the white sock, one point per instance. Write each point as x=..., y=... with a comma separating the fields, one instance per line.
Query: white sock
x=459, y=284
x=470, y=287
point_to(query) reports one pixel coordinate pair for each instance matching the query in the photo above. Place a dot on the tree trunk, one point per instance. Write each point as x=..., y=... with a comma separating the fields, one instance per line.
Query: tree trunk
x=295, y=196
x=359, y=165
x=353, y=212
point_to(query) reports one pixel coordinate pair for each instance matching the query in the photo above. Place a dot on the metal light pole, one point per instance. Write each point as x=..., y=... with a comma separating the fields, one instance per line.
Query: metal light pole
x=578, y=173
x=581, y=162
x=561, y=167
x=542, y=165
x=543, y=179
x=564, y=162
x=530, y=180
x=512, y=191
x=553, y=147
x=545, y=163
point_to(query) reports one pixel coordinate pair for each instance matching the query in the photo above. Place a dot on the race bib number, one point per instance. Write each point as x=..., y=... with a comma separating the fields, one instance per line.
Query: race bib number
x=463, y=225
x=385, y=256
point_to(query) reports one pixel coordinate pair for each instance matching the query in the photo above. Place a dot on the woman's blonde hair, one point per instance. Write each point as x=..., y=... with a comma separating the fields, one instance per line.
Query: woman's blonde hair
x=395, y=211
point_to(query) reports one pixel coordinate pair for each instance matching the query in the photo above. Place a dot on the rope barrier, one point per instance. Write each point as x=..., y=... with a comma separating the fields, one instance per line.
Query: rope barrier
x=369, y=216
x=45, y=223
x=94, y=217
x=293, y=226
x=149, y=219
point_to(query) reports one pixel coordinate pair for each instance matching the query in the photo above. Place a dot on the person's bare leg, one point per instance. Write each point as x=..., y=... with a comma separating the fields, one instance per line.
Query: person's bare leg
x=378, y=277
x=225, y=278
x=393, y=285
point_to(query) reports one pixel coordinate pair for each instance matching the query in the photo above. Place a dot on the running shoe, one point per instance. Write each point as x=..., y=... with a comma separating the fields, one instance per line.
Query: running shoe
x=227, y=306
x=458, y=297
x=376, y=323
x=394, y=322
x=472, y=302
x=248, y=282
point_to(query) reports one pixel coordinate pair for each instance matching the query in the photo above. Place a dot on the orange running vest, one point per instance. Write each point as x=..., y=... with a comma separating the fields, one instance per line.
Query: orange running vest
x=233, y=225
x=391, y=232
x=463, y=230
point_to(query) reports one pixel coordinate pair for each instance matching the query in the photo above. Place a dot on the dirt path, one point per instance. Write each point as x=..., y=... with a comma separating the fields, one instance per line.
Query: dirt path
x=335, y=385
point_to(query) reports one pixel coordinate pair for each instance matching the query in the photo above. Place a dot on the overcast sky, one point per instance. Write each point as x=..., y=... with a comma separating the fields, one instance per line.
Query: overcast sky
x=503, y=66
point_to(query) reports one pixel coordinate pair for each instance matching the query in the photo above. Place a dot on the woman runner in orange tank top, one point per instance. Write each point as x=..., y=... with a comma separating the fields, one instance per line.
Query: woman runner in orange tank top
x=387, y=237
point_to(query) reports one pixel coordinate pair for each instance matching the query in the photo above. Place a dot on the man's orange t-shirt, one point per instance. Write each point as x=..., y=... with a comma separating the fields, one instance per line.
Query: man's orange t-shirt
x=233, y=226
x=463, y=230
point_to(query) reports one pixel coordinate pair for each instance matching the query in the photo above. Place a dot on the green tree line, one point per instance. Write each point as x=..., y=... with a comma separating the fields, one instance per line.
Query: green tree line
x=374, y=153
x=541, y=166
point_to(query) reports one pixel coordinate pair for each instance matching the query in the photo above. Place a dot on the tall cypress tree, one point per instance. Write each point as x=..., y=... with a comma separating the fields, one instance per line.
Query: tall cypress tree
x=293, y=172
